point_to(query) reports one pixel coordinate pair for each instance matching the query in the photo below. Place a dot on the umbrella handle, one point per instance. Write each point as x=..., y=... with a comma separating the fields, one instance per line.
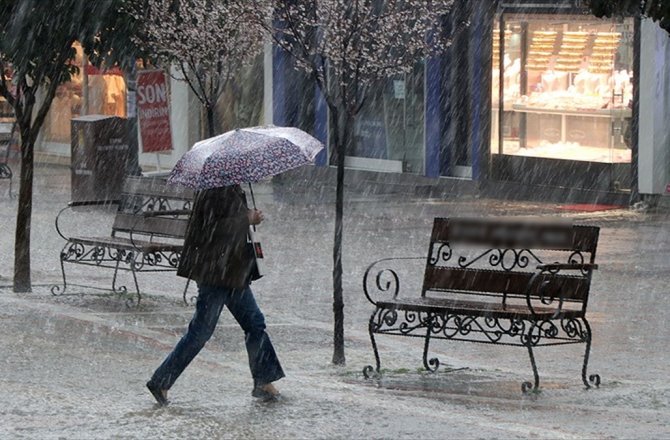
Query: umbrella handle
x=251, y=191
x=253, y=201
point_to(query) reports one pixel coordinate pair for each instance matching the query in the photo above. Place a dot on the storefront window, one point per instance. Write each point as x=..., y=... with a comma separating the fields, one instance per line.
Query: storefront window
x=389, y=129
x=566, y=88
x=90, y=91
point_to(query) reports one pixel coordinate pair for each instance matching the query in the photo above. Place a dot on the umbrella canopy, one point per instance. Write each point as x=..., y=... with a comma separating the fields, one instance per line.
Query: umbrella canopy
x=244, y=156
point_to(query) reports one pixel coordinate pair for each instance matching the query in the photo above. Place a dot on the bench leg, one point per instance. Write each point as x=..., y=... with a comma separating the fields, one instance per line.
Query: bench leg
x=129, y=301
x=55, y=289
x=527, y=386
x=6, y=173
x=429, y=364
x=121, y=289
x=368, y=370
x=593, y=379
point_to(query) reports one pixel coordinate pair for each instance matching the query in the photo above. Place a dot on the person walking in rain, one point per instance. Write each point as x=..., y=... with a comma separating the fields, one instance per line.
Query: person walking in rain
x=217, y=256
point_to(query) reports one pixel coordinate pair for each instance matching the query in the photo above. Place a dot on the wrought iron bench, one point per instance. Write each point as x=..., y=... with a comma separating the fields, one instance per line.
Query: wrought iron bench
x=491, y=281
x=146, y=236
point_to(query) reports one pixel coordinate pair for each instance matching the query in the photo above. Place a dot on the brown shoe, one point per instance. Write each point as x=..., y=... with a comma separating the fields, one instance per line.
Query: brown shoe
x=159, y=395
x=266, y=392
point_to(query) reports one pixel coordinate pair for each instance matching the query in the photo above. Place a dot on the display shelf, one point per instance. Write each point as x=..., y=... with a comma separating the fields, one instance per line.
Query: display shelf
x=599, y=113
x=496, y=44
x=495, y=106
x=541, y=50
x=583, y=153
x=601, y=58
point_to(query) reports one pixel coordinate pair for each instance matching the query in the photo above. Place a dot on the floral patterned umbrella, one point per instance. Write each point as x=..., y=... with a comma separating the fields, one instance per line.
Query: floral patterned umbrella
x=244, y=156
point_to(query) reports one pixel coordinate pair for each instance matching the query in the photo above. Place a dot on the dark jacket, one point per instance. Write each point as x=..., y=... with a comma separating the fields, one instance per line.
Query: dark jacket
x=215, y=249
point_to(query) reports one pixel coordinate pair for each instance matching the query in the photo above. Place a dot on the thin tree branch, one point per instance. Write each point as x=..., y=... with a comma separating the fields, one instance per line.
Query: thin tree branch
x=184, y=71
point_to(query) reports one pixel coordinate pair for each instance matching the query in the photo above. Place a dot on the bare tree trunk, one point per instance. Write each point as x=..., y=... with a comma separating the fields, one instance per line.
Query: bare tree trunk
x=211, y=130
x=22, y=283
x=340, y=142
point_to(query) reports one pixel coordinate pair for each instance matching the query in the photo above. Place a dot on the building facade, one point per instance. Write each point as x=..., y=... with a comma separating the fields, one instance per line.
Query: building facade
x=531, y=95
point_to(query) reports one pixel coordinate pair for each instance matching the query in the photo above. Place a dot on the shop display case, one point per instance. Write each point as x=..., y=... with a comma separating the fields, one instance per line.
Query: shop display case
x=570, y=98
x=572, y=87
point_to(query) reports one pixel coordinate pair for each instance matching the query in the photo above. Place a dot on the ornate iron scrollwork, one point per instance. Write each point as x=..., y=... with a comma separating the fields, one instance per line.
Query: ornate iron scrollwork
x=573, y=328
x=386, y=281
x=538, y=331
x=369, y=372
x=577, y=257
x=413, y=321
x=117, y=259
x=5, y=171
x=507, y=259
x=442, y=254
x=510, y=331
x=72, y=251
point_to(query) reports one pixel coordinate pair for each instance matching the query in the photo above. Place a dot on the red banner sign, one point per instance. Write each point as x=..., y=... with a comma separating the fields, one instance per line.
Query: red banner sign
x=153, y=111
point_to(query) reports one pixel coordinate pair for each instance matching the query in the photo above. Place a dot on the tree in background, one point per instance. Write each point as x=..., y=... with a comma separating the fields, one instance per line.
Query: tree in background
x=208, y=40
x=657, y=10
x=345, y=46
x=116, y=44
x=36, y=56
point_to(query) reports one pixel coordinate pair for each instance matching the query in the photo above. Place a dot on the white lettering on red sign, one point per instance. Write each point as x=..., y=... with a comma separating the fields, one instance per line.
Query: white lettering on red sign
x=152, y=93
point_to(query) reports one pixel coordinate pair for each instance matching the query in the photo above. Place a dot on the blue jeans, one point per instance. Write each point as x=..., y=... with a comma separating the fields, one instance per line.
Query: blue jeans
x=263, y=362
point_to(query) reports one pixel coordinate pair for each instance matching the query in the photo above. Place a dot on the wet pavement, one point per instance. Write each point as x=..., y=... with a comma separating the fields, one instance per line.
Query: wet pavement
x=74, y=366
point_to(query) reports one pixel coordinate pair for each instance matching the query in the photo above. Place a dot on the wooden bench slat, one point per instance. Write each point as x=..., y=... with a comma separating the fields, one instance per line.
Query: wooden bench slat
x=512, y=282
x=156, y=188
x=127, y=244
x=159, y=226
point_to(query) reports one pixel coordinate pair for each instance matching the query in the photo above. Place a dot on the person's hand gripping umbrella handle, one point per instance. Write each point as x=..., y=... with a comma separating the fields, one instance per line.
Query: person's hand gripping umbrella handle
x=255, y=217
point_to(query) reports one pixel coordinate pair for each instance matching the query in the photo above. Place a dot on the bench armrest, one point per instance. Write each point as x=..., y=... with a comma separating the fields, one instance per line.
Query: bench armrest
x=386, y=279
x=74, y=204
x=92, y=203
x=557, y=267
